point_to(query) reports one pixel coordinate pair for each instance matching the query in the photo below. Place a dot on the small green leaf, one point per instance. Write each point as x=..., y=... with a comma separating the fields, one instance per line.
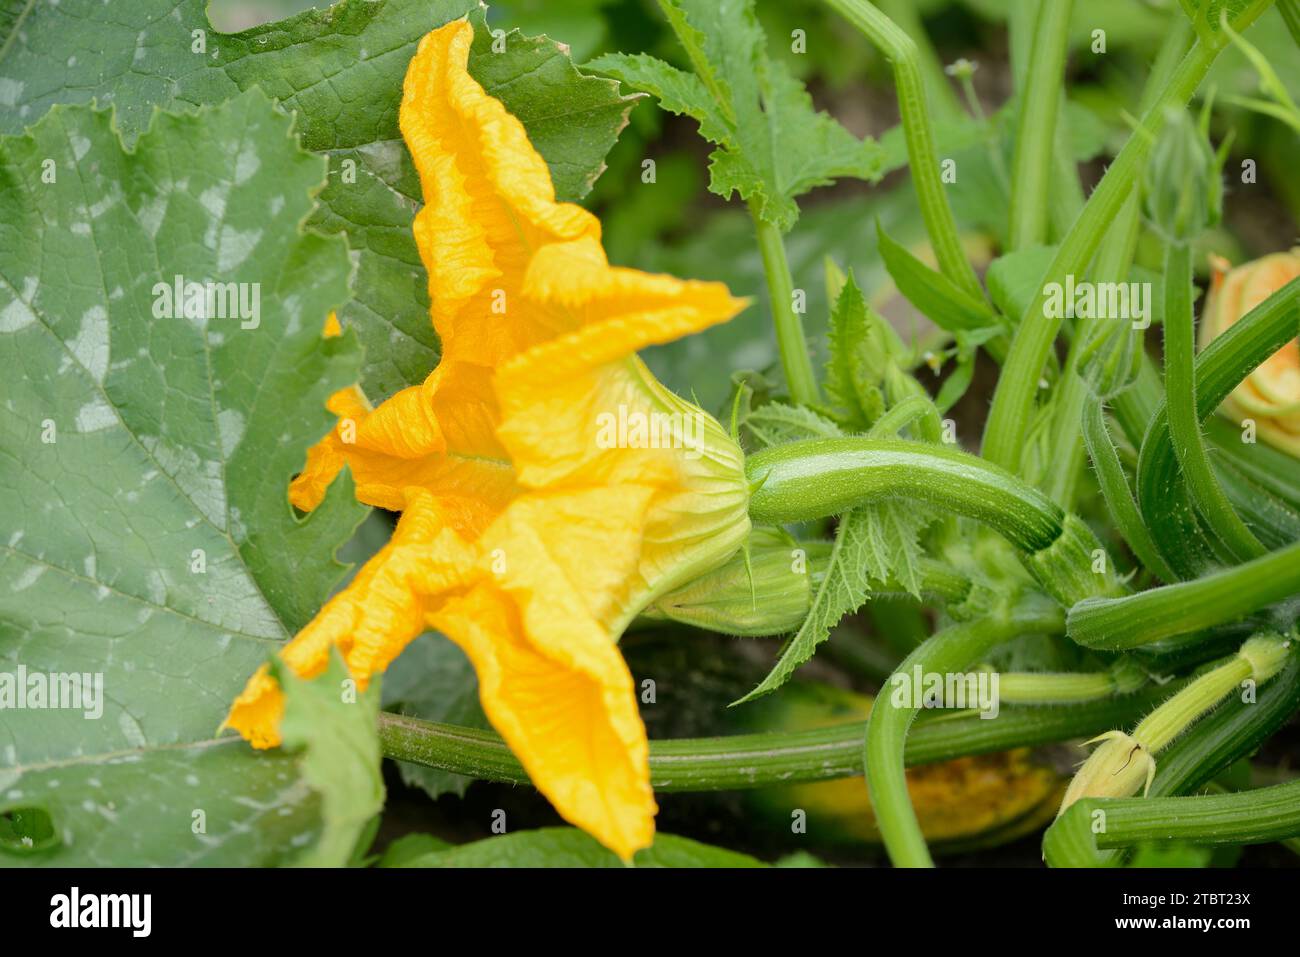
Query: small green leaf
x=334, y=726
x=861, y=346
x=937, y=296
x=843, y=590
x=1016, y=279
x=773, y=145
x=775, y=423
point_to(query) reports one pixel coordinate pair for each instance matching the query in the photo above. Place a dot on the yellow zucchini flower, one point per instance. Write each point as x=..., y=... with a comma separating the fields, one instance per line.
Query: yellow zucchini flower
x=1269, y=396
x=550, y=487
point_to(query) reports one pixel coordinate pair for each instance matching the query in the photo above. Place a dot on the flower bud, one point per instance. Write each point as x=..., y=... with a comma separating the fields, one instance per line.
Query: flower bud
x=1119, y=768
x=1270, y=396
x=767, y=593
x=1182, y=191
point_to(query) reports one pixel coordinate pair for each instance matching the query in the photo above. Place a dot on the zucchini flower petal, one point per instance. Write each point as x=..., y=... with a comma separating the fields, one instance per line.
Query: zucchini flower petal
x=1270, y=396
x=550, y=487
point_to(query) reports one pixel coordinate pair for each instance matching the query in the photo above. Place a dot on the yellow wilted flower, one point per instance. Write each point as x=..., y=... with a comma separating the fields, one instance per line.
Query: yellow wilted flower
x=1270, y=396
x=550, y=487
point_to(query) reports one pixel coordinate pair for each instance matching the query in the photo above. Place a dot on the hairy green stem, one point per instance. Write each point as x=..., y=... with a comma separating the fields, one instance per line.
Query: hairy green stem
x=1184, y=421
x=918, y=132
x=1290, y=10
x=1171, y=610
x=946, y=104
x=952, y=650
x=1227, y=735
x=1242, y=817
x=1013, y=402
x=1033, y=687
x=1066, y=456
x=1166, y=509
x=796, y=360
x=1040, y=100
x=901, y=416
x=1260, y=658
x=1119, y=497
x=755, y=760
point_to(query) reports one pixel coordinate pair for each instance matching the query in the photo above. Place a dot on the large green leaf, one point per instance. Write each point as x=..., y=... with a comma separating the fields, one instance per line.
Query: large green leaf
x=144, y=460
x=340, y=69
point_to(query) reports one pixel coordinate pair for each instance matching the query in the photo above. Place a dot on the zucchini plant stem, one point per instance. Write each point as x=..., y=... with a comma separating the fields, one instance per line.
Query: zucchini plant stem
x=1066, y=455
x=1218, y=369
x=1184, y=421
x=1119, y=497
x=791, y=342
x=1040, y=100
x=1243, y=817
x=952, y=650
x=1135, y=405
x=1013, y=402
x=778, y=757
x=1187, y=607
x=1032, y=687
x=904, y=56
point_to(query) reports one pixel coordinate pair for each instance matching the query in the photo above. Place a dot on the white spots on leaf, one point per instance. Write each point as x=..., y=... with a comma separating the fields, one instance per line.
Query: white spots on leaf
x=235, y=246
x=10, y=91
x=131, y=730
x=213, y=201
x=276, y=204
x=201, y=479
x=106, y=202
x=246, y=163
x=28, y=578
x=157, y=586
x=95, y=416
x=15, y=538
x=151, y=213
x=230, y=428
x=17, y=313
x=385, y=158
x=80, y=146
x=292, y=306
x=91, y=344
x=80, y=229
x=88, y=565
